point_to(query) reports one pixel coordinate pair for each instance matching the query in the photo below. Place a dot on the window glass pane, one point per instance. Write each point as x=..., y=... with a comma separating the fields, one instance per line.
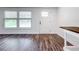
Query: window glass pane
x=10, y=14
x=10, y=23
x=44, y=14
x=24, y=14
x=25, y=23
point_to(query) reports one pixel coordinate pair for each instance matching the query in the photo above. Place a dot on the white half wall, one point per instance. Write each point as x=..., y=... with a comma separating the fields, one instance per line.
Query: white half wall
x=67, y=16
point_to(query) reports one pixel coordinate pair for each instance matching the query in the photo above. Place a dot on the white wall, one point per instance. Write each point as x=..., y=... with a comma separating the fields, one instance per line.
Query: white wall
x=35, y=21
x=68, y=16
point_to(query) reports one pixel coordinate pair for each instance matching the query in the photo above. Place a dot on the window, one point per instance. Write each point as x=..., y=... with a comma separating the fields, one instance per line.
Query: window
x=10, y=19
x=44, y=14
x=10, y=14
x=25, y=19
x=10, y=23
x=24, y=14
x=14, y=18
x=25, y=23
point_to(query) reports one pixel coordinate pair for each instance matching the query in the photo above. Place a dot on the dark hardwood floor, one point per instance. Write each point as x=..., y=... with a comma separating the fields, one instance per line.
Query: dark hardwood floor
x=29, y=42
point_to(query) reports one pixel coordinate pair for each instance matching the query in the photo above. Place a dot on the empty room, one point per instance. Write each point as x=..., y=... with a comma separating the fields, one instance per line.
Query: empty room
x=39, y=29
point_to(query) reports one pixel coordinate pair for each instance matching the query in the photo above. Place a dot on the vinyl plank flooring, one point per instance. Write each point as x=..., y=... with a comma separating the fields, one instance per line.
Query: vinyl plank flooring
x=32, y=42
x=50, y=42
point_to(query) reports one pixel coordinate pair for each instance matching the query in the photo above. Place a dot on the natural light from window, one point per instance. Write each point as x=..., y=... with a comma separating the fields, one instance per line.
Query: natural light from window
x=15, y=19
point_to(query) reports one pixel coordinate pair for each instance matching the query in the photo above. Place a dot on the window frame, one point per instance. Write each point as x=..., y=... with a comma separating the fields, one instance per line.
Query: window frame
x=25, y=18
x=9, y=19
x=17, y=21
